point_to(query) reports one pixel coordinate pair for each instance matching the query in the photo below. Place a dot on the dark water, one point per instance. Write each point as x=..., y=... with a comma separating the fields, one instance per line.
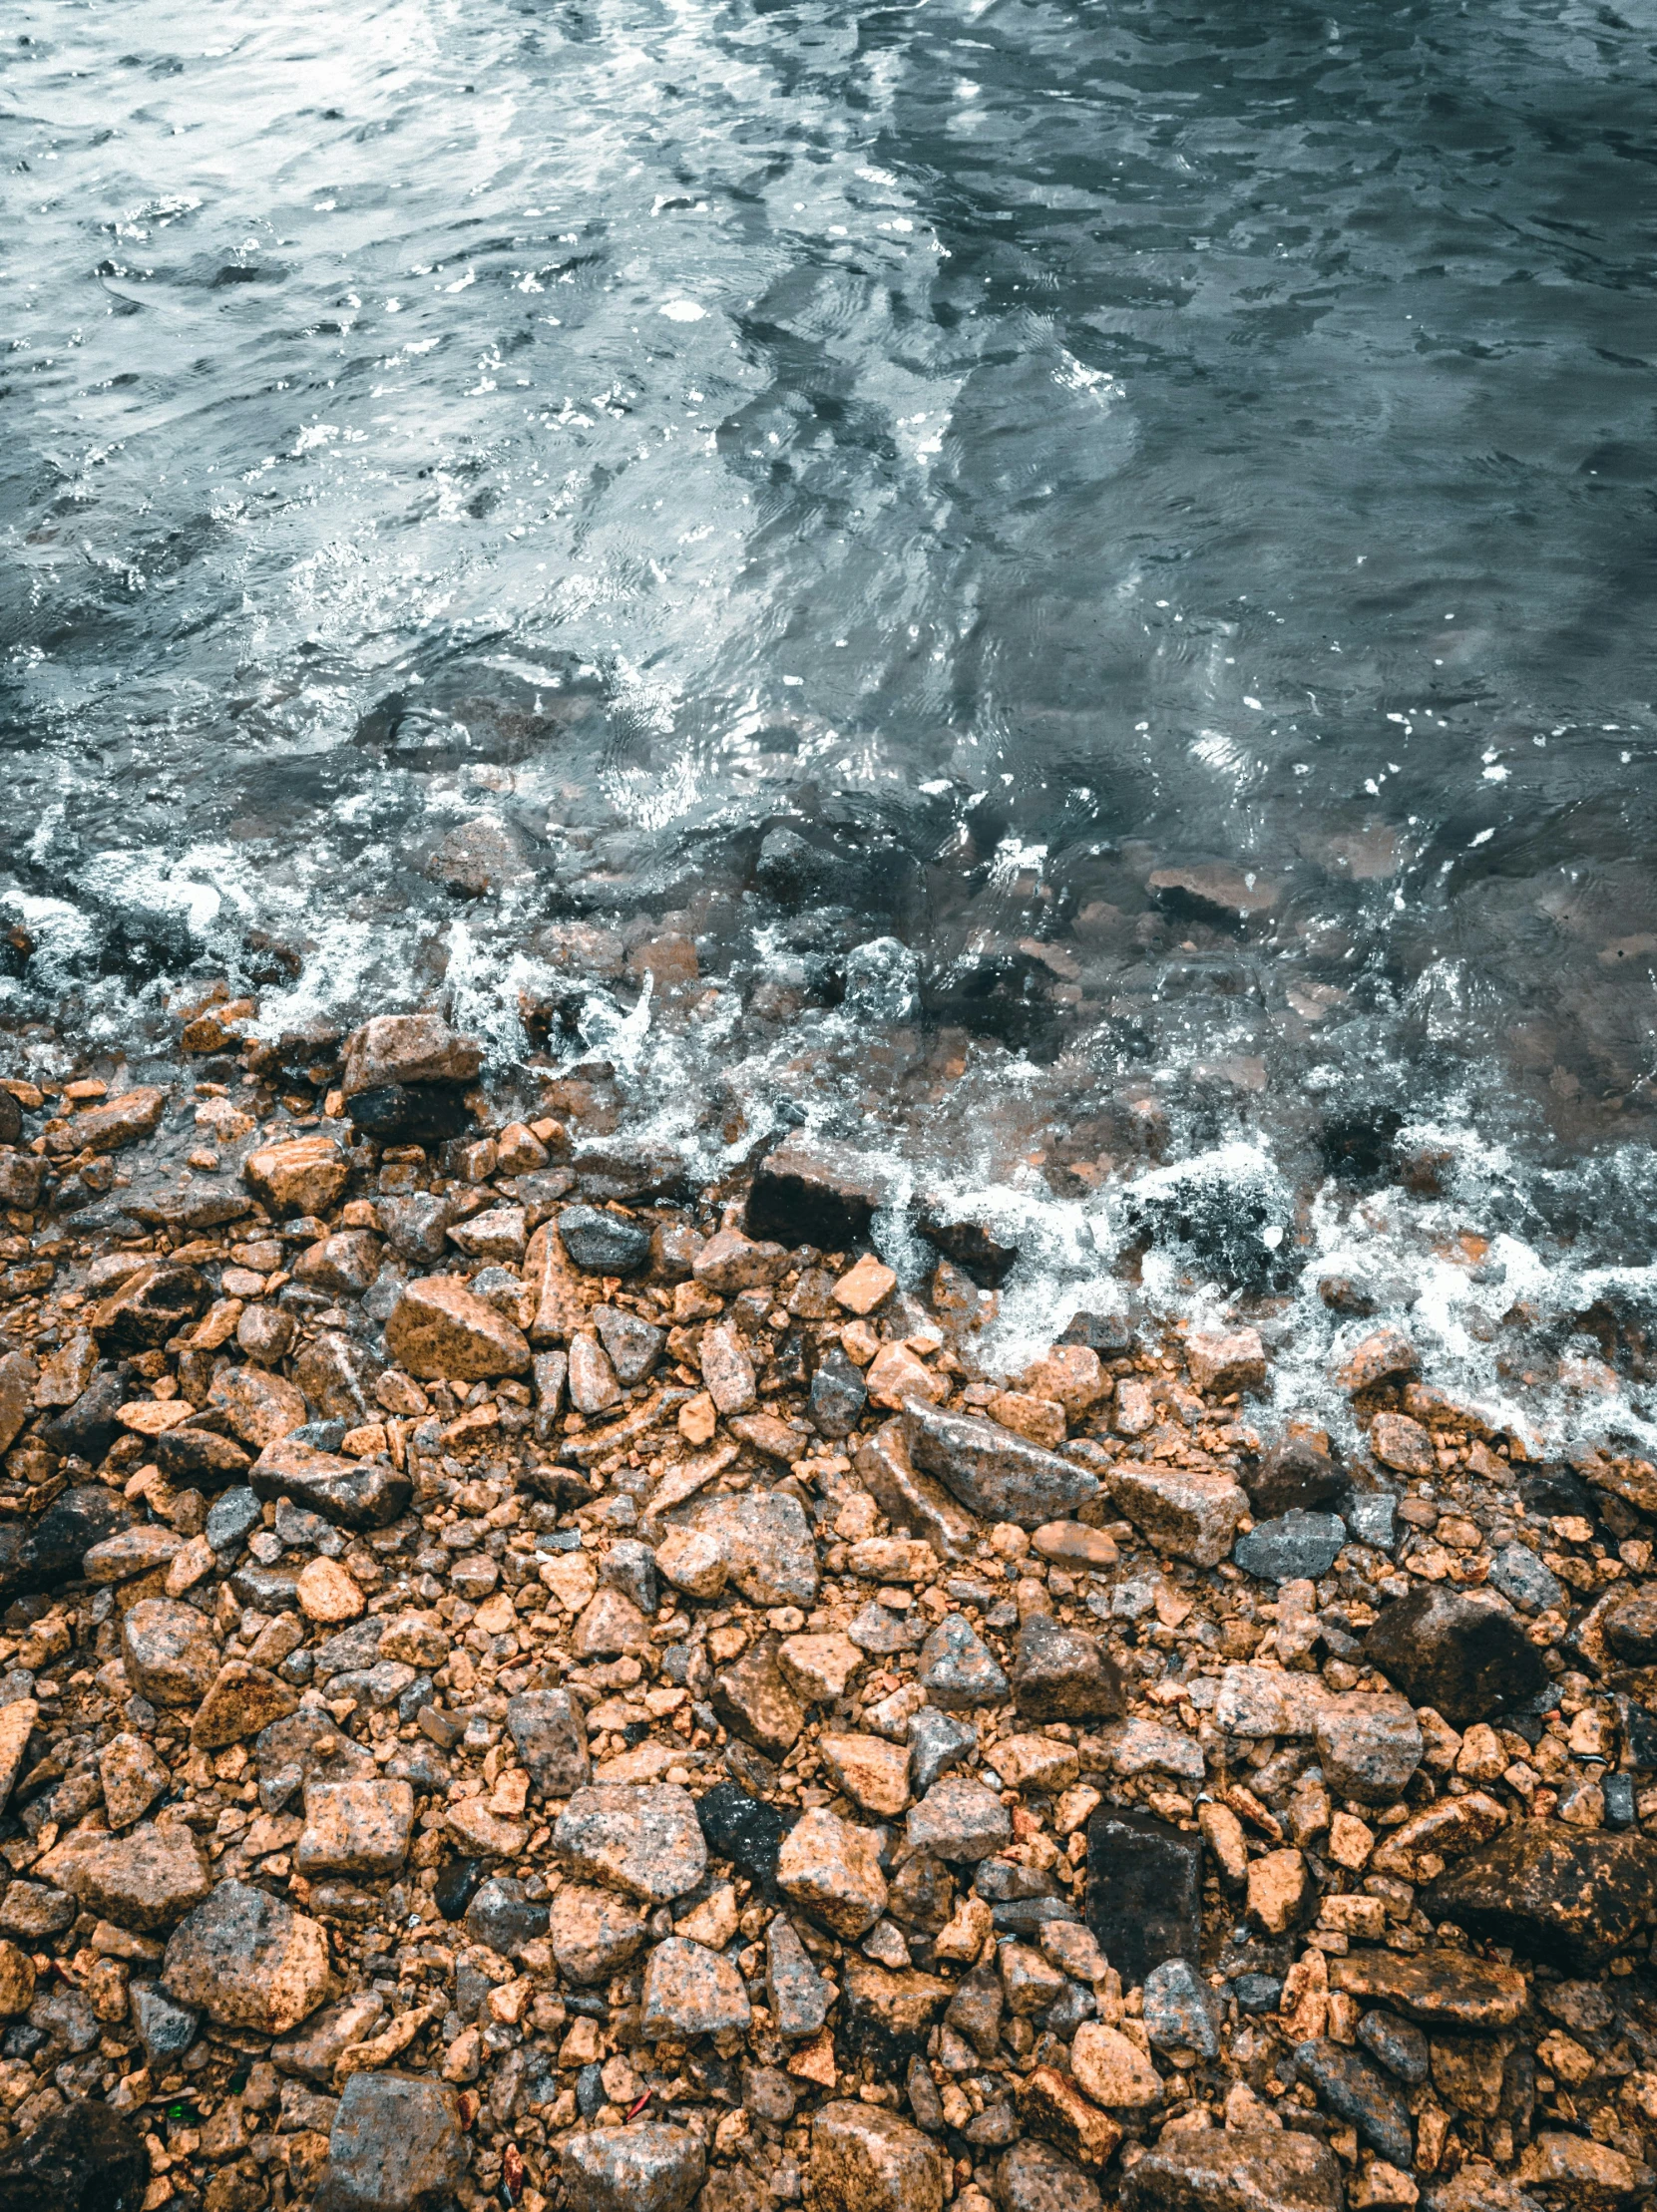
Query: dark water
x=891, y=478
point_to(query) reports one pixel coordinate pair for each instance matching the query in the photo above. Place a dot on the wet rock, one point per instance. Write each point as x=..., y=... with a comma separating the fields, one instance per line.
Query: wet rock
x=832, y=1871
x=1062, y=1673
x=1294, y=1477
x=1368, y=1747
x=353, y=1494
x=1053, y=2109
x=1379, y=1357
x=1227, y=2170
x=1465, y=1656
x=1213, y=892
x=742, y=1829
x=837, y=1397
x=397, y=2144
x=797, y=1995
x=1145, y=1892
x=768, y=1545
x=959, y=1820
x=1190, y=1512
x=691, y=1991
x=550, y=1735
x=303, y=1174
x=1179, y=2009
x=644, y=2169
x=82, y=2158
x=958, y=1671
x=407, y=1048
x=1297, y=1547
x=170, y=1652
x=601, y=1242
x=242, y=1701
x=247, y=1959
x=910, y=1498
x=438, y=1329
x=1570, y=1896
x=865, y=2159
x=810, y=1192
x=149, y=1306
x=754, y=1700
x=1033, y=2177
x=645, y=1839
x=195, y=1459
x=593, y=1932
x=993, y=1473
x=1359, y=2094
x=359, y=1827
x=339, y=1377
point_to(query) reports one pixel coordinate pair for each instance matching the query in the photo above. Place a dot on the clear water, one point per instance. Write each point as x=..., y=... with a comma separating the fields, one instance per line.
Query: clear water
x=1013, y=446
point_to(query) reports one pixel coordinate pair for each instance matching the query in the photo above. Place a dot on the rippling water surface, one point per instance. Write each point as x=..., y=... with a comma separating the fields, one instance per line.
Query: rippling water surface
x=850, y=499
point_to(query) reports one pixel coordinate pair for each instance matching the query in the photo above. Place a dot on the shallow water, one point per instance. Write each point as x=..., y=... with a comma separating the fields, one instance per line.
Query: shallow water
x=1007, y=448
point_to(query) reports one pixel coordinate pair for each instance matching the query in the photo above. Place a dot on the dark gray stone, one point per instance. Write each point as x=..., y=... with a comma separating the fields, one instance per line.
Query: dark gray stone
x=935, y=1742
x=549, y=1731
x=1359, y=2094
x=352, y=1492
x=1293, y=1477
x=1568, y=1896
x=167, y=2029
x=1179, y=2009
x=838, y=1395
x=397, y=2144
x=601, y=1243
x=84, y=2158
x=1062, y=1673
x=1144, y=1891
x=1033, y=2177
x=629, y=1567
x=231, y=1518
x=957, y=1670
x=995, y=1473
x=1398, y=2044
x=1297, y=1547
x=1522, y=1577
x=503, y=1917
x=1465, y=1656
x=634, y=1345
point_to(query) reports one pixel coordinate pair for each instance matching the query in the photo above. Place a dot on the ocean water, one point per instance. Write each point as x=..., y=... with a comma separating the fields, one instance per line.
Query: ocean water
x=1061, y=589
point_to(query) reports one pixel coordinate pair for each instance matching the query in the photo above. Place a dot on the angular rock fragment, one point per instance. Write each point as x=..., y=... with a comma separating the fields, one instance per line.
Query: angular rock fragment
x=438, y=1329
x=1361, y=2095
x=691, y=1991
x=647, y=1840
x=995, y=1474
x=1226, y=2171
x=358, y=1827
x=84, y=2157
x=170, y=1652
x=1192, y=1512
x=1145, y=1892
x=1368, y=1747
x=958, y=1671
x=242, y=1701
x=1567, y=1896
x=1465, y=1656
x=766, y=1544
x=646, y=2168
x=353, y=1494
x=960, y=1820
x=397, y=2143
x=593, y=1930
x=1062, y=1673
x=865, y=2159
x=796, y=1993
x=809, y=1191
x=1033, y=2177
x=546, y=1727
x=832, y=1871
x=754, y=1700
x=742, y=1829
x=248, y=1959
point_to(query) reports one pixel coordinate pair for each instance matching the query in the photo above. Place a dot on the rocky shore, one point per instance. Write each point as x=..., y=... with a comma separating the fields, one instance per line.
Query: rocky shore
x=529, y=1684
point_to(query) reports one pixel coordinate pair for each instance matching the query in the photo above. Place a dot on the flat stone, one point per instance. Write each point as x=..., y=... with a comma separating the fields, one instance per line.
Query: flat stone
x=1396, y=2044
x=149, y=1306
x=438, y=1329
x=691, y=1991
x=360, y=1827
x=1227, y=2170
x=754, y=1700
x=1359, y=2094
x=872, y=1773
x=131, y=1553
x=242, y=1700
x=767, y=1544
x=248, y=1959
x=397, y=2141
x=832, y=1871
x=352, y=1494
x=1368, y=1747
x=303, y=1174
x=1112, y=2071
x=170, y=1654
x=1582, y=2168
x=1147, y=1747
x=992, y=1472
x=133, y=1778
x=1062, y=1673
x=645, y=1840
x=644, y=2168
x=1033, y=2177
x=727, y=1369
x=484, y=1834
x=82, y=2158
x=1191, y=1513
x=1262, y=1701
x=797, y=1995
x=1073, y=1544
x=594, y=1932
x=1213, y=892
x=1145, y=1892
x=1465, y=1656
x=598, y=1241
x=958, y=1819
x=550, y=1738
x=1568, y=1896
x=866, y=2159
x=1403, y=1444
x=910, y=1498
x=313, y=2049
x=897, y=2005
x=1179, y=2009
x=1297, y=1547
x=958, y=1671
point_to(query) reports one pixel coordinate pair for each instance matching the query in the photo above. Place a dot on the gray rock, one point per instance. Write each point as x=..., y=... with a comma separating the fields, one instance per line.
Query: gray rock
x=796, y=1993
x=1522, y=1577
x=1230, y=2170
x=1062, y=1673
x=1368, y=1747
x=838, y=1395
x=601, y=1243
x=1359, y=2094
x=644, y=2169
x=767, y=1543
x=1179, y=2009
x=352, y=1492
x=1299, y=1547
x=690, y=1991
x=248, y=1959
x=397, y=2144
x=879, y=1631
x=645, y=1839
x=629, y=1567
x=231, y=1518
x=634, y=1345
x=502, y=1916
x=995, y=1473
x=958, y=1819
x=170, y=1652
x=957, y=1670
x=166, y=2029
x=935, y=1742
x=1033, y=2177
x=1370, y=1517
x=1398, y=2043
x=550, y=1732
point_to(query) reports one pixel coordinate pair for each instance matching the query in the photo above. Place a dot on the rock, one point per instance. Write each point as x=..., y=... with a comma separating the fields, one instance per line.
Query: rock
x=359, y=1827
x=609, y=1625
x=634, y=1345
x=1062, y=1673
x=754, y=1700
x=170, y=1650
x=313, y=2049
x=1359, y=2094
x=958, y=1671
x=397, y=2144
x=407, y=1048
x=838, y=1395
x=809, y=1191
x=644, y=2169
x=1221, y=1364
x=166, y=2029
x=1144, y=1891
x=1568, y=1896
x=873, y=1774
x=244, y=1700
x=1583, y=2168
x=592, y=1379
x=1213, y=892
x=797, y=1995
x=1113, y=2071
x=819, y=1667
x=992, y=1472
x=1377, y=1358
x=1368, y=1747
x=1074, y=1544
x=601, y=1242
x=910, y=1498
x=261, y=1408
x=18, y=1373
x=247, y=1959
x=1523, y=1578
x=353, y=1494
x=958, y=1820
x=832, y=1871
x=1295, y=1476
x=1052, y=2107
x=1190, y=1512
x=742, y=1829
x=647, y=1840
x=17, y=1981
x=82, y=2158
x=195, y=1459
x=1629, y=1627
x=17, y=1722
x=1180, y=2013
x=1465, y=1656
x=303, y=1174
x=935, y=1742
x=727, y=1370
x=133, y=1778
x=865, y=2159
x=1299, y=1547
x=438, y=1329
x=484, y=1834
x=767, y=1544
x=730, y=1262
x=1400, y=2048
x=551, y=1736
x=691, y=1991
x=1033, y=2177
x=593, y=1932
x=149, y=1306
x=1227, y=2170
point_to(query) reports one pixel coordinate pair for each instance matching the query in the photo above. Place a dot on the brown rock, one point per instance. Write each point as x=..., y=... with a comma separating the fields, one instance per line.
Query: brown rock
x=1585, y=2170
x=438, y=1329
x=1062, y=1673
x=873, y=1774
x=1073, y=1544
x=1441, y=1989
x=645, y=1839
x=352, y=1492
x=147, y=1880
x=1113, y=2071
x=327, y=1593
x=1276, y=1890
x=593, y=1932
x=1368, y=1747
x=609, y=1625
x=644, y=2169
x=247, y=1959
x=691, y=1991
x=730, y=1262
x=1052, y=2107
x=754, y=1700
x=244, y=1700
x=1220, y=1364
x=1214, y=890
x=117, y=1122
x=902, y=2005
x=832, y=1871
x=1192, y=1512
x=819, y=1667
x=407, y=1048
x=1398, y=1442
x=1232, y=2170
x=133, y=1778
x=1571, y=1896
x=151, y=1305
x=864, y=2159
x=18, y=1391
x=303, y=1175
x=170, y=1652
x=728, y=1372
x=1380, y=1356
x=17, y=1723
x=357, y=1827
x=261, y=1408
x=913, y=1500
x=17, y=1981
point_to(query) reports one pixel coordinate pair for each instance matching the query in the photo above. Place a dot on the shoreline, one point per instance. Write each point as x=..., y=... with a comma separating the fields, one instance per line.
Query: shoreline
x=485, y=1615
